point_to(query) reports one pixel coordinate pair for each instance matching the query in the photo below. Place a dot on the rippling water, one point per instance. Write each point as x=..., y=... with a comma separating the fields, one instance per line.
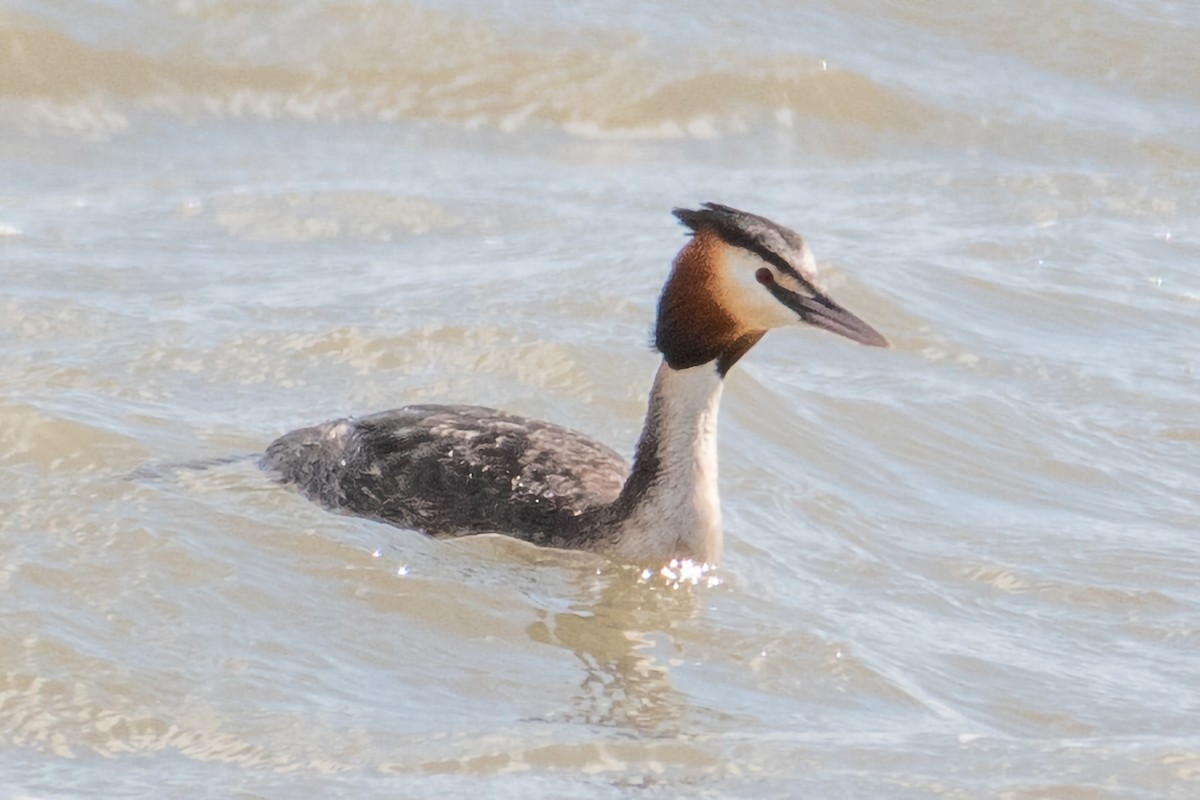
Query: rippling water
x=964, y=567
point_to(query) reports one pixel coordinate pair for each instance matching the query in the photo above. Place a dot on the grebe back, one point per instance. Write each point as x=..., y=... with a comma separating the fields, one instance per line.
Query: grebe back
x=452, y=470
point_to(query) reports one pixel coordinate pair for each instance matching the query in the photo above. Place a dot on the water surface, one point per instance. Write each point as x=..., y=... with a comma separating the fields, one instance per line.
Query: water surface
x=963, y=567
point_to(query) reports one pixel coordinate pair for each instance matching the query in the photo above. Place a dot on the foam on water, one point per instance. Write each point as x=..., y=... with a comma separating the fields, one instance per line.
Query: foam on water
x=963, y=567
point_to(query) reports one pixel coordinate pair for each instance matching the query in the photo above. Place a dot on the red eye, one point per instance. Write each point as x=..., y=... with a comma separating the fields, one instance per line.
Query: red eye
x=764, y=276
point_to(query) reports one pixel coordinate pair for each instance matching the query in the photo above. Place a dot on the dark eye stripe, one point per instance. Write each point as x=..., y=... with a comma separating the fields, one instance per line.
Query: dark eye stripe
x=727, y=223
x=795, y=273
x=738, y=239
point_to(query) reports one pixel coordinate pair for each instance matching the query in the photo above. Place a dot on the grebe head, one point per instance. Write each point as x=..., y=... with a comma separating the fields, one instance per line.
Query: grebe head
x=740, y=276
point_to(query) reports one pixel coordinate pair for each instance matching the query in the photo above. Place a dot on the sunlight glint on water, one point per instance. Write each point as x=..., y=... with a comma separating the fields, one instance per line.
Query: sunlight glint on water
x=963, y=567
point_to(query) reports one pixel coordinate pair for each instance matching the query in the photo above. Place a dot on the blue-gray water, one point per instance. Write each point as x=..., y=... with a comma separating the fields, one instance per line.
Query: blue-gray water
x=964, y=567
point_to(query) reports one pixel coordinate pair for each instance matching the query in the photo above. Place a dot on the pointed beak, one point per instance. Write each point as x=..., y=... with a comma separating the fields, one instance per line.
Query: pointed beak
x=821, y=312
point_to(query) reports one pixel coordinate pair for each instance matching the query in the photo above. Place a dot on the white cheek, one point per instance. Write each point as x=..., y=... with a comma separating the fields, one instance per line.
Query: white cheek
x=808, y=265
x=748, y=299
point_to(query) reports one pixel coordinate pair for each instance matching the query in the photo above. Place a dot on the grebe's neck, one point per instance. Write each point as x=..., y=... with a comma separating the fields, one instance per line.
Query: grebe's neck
x=670, y=507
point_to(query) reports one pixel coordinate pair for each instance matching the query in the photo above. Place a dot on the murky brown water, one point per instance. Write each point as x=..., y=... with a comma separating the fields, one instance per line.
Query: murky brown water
x=965, y=567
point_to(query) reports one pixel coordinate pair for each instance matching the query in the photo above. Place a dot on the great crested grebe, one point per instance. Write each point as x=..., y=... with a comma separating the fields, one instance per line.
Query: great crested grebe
x=451, y=470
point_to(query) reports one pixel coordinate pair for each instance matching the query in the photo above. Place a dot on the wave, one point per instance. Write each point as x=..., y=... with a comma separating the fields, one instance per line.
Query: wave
x=403, y=62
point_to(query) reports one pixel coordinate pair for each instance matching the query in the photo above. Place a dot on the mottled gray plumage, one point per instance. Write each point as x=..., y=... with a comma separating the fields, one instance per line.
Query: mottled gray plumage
x=453, y=470
x=456, y=470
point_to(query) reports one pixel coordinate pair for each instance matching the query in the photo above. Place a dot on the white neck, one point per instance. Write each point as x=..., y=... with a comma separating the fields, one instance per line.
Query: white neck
x=675, y=511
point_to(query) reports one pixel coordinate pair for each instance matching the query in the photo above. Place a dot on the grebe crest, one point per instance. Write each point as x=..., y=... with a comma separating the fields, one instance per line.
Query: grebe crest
x=458, y=470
